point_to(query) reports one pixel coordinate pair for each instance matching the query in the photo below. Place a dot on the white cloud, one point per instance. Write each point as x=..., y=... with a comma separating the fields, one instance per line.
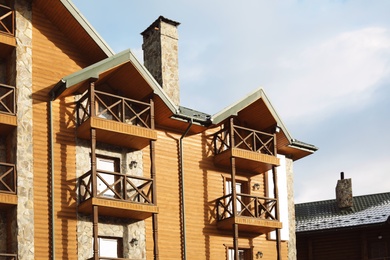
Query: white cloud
x=338, y=73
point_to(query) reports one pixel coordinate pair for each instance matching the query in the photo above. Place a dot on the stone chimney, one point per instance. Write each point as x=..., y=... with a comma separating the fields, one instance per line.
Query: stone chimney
x=344, y=197
x=160, y=46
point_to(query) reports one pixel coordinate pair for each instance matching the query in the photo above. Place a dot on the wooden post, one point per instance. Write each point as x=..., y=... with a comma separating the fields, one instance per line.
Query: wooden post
x=154, y=185
x=95, y=231
x=234, y=191
x=95, y=210
x=276, y=195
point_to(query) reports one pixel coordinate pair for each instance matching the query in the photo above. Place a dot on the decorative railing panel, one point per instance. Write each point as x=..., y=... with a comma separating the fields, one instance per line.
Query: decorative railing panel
x=7, y=24
x=113, y=185
x=244, y=138
x=4, y=256
x=7, y=178
x=246, y=205
x=114, y=108
x=7, y=99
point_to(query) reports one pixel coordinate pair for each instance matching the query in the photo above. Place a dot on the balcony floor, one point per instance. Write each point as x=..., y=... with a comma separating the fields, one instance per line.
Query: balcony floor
x=7, y=123
x=7, y=44
x=247, y=160
x=8, y=200
x=120, y=209
x=250, y=225
x=117, y=133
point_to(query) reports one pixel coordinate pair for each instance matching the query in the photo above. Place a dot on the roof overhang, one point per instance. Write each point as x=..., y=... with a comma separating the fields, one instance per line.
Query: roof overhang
x=257, y=102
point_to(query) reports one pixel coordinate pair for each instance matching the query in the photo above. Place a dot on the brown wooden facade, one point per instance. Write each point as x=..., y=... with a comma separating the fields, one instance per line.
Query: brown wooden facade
x=182, y=196
x=368, y=242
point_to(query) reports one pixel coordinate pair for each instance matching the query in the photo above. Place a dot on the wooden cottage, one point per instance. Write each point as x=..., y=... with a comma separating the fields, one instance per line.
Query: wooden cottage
x=344, y=228
x=98, y=159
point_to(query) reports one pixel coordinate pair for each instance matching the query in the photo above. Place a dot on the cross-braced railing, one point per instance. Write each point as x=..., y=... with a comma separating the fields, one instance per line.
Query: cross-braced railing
x=244, y=138
x=7, y=178
x=7, y=22
x=114, y=185
x=7, y=99
x=114, y=108
x=246, y=205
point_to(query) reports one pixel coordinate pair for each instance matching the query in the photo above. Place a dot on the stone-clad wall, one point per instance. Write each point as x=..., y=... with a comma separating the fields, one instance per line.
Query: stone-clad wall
x=292, y=250
x=113, y=227
x=24, y=142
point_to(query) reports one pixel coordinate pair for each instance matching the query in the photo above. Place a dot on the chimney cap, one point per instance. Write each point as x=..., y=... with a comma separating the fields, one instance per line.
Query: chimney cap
x=157, y=23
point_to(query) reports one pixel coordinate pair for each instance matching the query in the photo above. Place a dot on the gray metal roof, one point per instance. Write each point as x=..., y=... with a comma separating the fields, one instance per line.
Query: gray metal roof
x=324, y=215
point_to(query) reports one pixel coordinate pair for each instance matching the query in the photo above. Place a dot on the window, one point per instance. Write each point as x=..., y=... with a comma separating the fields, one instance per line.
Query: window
x=241, y=188
x=108, y=182
x=243, y=254
x=110, y=247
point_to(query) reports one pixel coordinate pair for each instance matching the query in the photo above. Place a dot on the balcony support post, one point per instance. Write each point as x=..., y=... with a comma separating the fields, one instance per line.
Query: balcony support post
x=276, y=195
x=234, y=191
x=95, y=209
x=95, y=232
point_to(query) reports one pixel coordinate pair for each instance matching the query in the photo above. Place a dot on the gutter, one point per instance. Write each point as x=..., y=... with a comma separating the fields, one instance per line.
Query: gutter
x=52, y=226
x=182, y=212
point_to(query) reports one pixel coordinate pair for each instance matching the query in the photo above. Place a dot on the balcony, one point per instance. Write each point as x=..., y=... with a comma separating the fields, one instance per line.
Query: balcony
x=4, y=256
x=254, y=151
x=7, y=109
x=8, y=196
x=117, y=195
x=117, y=120
x=254, y=214
x=7, y=30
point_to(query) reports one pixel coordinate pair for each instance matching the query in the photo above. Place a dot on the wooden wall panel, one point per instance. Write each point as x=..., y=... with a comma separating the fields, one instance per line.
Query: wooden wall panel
x=54, y=57
x=203, y=185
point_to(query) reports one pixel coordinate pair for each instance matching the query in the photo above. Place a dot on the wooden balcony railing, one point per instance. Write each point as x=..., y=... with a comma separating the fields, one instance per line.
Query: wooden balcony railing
x=7, y=21
x=7, y=99
x=116, y=186
x=7, y=178
x=4, y=256
x=116, y=108
x=244, y=138
x=247, y=206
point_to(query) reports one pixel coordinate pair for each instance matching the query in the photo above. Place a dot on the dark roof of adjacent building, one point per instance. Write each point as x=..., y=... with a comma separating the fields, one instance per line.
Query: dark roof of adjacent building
x=324, y=215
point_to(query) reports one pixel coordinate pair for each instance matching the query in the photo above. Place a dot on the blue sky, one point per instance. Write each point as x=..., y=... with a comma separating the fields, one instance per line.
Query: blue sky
x=324, y=64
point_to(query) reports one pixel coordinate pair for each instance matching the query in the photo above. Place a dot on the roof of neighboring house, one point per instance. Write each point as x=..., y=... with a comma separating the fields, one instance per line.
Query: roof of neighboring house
x=324, y=215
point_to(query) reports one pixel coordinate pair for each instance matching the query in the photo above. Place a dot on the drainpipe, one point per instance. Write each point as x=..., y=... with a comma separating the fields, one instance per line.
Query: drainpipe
x=53, y=242
x=182, y=215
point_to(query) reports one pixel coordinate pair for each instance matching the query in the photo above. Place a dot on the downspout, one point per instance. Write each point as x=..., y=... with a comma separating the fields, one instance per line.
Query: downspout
x=53, y=242
x=182, y=215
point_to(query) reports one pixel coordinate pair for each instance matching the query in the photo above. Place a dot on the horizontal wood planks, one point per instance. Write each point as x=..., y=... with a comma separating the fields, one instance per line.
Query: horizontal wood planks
x=203, y=185
x=54, y=57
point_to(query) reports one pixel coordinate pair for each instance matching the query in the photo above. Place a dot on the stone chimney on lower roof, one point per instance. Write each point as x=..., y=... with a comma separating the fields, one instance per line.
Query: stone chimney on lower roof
x=160, y=46
x=344, y=197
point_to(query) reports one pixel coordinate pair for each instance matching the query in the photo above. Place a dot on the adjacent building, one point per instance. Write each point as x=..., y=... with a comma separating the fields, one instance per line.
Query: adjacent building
x=98, y=159
x=344, y=228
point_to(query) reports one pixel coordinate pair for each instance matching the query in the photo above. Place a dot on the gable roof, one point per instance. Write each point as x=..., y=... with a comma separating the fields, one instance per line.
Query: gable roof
x=78, y=82
x=325, y=215
x=258, y=104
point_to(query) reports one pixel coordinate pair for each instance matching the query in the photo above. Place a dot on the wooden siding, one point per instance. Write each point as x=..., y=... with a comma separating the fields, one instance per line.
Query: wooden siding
x=54, y=57
x=344, y=243
x=203, y=185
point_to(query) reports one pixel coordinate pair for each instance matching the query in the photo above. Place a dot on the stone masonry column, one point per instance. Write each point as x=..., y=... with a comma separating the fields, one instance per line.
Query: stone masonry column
x=24, y=139
x=292, y=249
